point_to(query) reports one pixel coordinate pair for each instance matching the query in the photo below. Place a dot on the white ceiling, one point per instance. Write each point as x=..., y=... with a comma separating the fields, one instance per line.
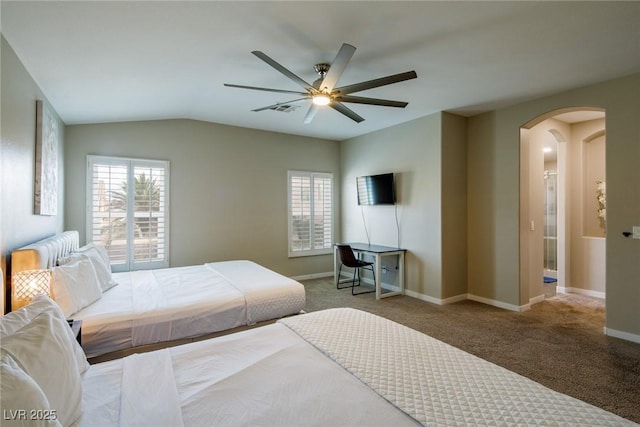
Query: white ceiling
x=121, y=61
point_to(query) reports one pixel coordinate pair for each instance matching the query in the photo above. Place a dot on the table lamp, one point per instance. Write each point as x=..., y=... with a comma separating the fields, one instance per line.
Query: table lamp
x=27, y=284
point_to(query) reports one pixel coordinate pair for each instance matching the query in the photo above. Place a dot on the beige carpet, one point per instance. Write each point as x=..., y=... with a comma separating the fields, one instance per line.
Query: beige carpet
x=558, y=343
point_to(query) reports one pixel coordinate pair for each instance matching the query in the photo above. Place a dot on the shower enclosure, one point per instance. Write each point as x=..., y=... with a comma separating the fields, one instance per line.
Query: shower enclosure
x=550, y=224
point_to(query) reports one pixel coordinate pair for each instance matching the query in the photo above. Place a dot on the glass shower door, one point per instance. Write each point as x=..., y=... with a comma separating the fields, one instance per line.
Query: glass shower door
x=550, y=224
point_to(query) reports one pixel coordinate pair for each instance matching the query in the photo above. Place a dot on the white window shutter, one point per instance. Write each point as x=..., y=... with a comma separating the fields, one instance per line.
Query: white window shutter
x=127, y=211
x=310, y=213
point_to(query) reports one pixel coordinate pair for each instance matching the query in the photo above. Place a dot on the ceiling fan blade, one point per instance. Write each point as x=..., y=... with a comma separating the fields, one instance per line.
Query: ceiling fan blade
x=382, y=81
x=283, y=70
x=266, y=89
x=337, y=67
x=313, y=109
x=346, y=111
x=371, y=101
x=269, y=107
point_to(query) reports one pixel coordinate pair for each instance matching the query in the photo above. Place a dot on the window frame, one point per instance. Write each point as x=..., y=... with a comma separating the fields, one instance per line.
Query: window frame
x=309, y=252
x=131, y=163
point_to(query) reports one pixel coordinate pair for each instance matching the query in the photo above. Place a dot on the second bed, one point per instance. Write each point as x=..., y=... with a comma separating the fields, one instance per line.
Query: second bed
x=147, y=307
x=154, y=306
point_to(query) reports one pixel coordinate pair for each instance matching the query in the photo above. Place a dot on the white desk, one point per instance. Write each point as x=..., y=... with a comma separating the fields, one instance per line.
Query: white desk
x=377, y=252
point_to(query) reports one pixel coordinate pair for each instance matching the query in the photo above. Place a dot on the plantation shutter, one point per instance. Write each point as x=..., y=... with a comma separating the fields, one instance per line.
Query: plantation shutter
x=127, y=211
x=310, y=213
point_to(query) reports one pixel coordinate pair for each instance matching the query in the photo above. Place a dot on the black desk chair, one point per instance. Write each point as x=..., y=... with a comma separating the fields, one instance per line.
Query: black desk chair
x=348, y=258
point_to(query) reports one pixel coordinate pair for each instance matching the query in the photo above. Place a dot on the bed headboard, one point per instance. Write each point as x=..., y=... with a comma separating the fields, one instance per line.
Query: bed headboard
x=44, y=253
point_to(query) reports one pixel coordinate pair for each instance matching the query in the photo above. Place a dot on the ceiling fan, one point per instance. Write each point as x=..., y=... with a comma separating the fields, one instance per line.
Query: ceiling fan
x=323, y=91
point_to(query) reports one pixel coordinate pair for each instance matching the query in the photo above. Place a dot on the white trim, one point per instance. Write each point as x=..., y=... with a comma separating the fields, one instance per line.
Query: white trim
x=580, y=291
x=457, y=298
x=536, y=300
x=494, y=303
x=622, y=335
x=463, y=297
x=313, y=276
x=433, y=300
x=423, y=297
x=499, y=304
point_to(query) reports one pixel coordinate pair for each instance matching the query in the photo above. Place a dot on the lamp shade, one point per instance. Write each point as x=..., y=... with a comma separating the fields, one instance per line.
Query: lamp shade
x=27, y=284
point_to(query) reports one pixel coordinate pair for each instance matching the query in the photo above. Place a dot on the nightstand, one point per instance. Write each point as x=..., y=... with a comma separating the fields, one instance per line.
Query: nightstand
x=76, y=327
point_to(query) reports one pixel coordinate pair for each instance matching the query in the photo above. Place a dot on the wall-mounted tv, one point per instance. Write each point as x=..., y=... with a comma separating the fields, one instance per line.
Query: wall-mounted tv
x=376, y=189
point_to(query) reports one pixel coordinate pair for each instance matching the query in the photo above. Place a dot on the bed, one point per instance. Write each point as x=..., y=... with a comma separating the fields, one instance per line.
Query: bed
x=157, y=306
x=332, y=367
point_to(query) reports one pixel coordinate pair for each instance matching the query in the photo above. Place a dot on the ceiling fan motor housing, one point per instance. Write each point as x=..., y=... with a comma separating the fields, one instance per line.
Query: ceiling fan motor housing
x=322, y=69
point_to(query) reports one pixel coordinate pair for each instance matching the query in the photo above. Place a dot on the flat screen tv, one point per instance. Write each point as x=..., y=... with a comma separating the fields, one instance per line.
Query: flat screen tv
x=376, y=189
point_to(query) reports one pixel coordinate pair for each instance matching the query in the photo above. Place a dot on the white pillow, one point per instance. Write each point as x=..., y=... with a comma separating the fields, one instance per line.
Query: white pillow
x=22, y=401
x=102, y=251
x=103, y=270
x=16, y=320
x=40, y=349
x=92, y=246
x=75, y=285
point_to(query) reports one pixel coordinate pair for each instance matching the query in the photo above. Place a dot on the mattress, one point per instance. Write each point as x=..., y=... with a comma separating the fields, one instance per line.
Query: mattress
x=153, y=306
x=334, y=367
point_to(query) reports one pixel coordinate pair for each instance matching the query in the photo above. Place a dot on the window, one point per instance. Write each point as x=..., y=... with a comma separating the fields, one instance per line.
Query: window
x=310, y=213
x=128, y=211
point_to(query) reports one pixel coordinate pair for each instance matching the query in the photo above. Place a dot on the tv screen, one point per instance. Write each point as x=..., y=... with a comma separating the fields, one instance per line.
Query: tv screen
x=376, y=189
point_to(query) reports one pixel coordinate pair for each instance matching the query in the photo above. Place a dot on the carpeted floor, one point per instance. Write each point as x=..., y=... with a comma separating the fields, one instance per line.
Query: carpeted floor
x=558, y=343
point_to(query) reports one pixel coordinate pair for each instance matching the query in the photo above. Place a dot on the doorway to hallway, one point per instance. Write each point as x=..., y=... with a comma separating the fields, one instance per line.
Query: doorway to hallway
x=562, y=180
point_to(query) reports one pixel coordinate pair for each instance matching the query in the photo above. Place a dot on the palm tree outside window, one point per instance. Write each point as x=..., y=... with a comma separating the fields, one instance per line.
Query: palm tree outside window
x=128, y=212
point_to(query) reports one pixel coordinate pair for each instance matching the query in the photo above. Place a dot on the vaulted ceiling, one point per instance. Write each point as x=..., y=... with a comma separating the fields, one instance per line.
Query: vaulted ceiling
x=123, y=61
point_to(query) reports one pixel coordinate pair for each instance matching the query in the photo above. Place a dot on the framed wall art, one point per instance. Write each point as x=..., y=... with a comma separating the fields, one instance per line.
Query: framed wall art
x=46, y=170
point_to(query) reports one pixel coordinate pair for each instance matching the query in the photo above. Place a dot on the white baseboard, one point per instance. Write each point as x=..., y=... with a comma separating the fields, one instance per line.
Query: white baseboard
x=536, y=300
x=313, y=276
x=423, y=297
x=499, y=304
x=457, y=298
x=580, y=291
x=607, y=331
x=622, y=335
x=433, y=300
x=463, y=297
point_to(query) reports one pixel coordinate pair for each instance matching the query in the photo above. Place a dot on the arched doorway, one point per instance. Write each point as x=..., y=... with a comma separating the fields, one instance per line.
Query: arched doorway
x=571, y=242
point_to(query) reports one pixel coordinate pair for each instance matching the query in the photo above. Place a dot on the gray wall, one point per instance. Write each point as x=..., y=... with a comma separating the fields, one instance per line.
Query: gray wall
x=412, y=151
x=454, y=206
x=431, y=199
x=494, y=196
x=18, y=224
x=429, y=158
x=228, y=193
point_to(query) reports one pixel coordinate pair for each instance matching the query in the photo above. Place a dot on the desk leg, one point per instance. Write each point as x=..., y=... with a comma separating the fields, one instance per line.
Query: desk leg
x=378, y=275
x=401, y=272
x=335, y=265
x=400, y=277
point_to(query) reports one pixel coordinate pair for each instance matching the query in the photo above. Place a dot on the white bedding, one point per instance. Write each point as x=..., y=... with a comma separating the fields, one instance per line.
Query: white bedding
x=335, y=367
x=261, y=377
x=168, y=304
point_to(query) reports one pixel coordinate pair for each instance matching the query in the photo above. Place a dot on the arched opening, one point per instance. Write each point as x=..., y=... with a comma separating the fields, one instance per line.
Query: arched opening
x=562, y=182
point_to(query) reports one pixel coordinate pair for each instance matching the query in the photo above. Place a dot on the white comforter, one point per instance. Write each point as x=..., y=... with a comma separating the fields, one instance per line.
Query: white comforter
x=168, y=304
x=336, y=367
x=262, y=377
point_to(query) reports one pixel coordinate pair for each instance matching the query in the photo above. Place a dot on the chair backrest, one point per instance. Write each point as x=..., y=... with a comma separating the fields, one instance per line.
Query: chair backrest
x=347, y=257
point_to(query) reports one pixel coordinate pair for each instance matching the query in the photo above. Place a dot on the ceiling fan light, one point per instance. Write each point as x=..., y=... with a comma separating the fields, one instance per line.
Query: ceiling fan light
x=321, y=99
